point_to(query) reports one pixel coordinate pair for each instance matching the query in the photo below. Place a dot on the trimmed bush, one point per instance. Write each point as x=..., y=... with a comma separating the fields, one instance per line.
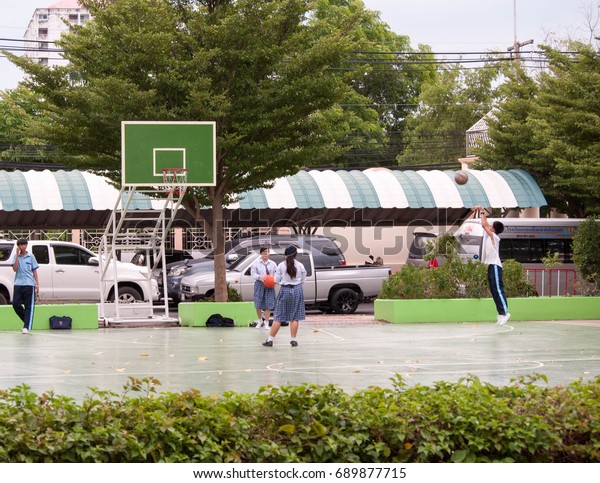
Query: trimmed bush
x=453, y=280
x=586, y=252
x=468, y=421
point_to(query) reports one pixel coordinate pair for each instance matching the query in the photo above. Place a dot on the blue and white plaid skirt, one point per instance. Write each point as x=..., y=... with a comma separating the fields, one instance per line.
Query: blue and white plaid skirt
x=290, y=304
x=264, y=298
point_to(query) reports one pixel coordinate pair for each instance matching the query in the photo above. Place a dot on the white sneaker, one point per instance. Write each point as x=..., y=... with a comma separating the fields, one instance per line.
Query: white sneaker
x=504, y=319
x=258, y=324
x=24, y=330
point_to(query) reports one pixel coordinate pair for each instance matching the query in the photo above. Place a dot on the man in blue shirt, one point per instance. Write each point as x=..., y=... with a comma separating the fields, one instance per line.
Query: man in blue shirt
x=26, y=285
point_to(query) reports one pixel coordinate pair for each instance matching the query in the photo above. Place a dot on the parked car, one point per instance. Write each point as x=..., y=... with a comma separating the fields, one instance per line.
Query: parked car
x=171, y=256
x=325, y=254
x=419, y=247
x=339, y=289
x=71, y=272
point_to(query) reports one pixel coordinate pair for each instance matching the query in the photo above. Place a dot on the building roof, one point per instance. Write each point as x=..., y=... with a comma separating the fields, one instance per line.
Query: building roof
x=78, y=199
x=65, y=4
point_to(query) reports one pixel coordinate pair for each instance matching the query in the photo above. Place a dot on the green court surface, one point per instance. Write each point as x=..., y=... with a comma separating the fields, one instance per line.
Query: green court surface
x=354, y=353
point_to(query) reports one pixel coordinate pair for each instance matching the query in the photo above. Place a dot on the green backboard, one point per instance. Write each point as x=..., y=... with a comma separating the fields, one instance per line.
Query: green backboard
x=148, y=147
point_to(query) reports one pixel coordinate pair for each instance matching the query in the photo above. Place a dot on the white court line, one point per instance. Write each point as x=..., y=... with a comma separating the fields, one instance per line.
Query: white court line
x=512, y=365
x=327, y=332
x=493, y=330
x=127, y=374
x=281, y=369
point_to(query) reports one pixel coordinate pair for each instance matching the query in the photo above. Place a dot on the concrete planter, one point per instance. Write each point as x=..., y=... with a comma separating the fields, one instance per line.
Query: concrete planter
x=85, y=316
x=195, y=314
x=484, y=310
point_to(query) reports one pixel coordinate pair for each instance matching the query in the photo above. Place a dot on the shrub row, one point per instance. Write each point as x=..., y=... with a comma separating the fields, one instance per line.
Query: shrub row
x=454, y=280
x=468, y=421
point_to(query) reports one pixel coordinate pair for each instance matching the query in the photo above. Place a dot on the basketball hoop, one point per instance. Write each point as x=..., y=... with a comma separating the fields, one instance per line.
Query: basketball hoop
x=174, y=180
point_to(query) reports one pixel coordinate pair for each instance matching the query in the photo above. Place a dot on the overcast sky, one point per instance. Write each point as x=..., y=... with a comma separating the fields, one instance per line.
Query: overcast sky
x=446, y=25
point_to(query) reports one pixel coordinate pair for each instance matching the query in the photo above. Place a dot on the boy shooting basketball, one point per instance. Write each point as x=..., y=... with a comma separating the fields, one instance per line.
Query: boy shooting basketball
x=490, y=255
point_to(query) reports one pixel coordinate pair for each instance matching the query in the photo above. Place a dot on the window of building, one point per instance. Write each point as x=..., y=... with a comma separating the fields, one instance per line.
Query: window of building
x=43, y=45
x=42, y=16
x=43, y=32
x=73, y=17
x=44, y=60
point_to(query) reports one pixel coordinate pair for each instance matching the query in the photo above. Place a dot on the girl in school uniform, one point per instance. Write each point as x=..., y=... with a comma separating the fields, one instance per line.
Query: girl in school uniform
x=289, y=306
x=264, y=297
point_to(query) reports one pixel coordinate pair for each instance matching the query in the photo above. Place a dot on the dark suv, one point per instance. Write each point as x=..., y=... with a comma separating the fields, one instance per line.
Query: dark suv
x=324, y=251
x=171, y=256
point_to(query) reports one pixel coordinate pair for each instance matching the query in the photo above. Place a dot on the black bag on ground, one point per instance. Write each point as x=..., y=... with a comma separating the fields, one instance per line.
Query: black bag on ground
x=217, y=320
x=63, y=322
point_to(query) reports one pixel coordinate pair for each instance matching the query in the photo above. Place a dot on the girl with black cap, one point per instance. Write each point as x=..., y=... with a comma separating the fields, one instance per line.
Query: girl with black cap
x=289, y=307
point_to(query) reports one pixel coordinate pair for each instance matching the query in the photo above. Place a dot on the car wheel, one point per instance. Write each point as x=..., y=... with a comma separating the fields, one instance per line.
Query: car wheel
x=3, y=300
x=344, y=301
x=127, y=295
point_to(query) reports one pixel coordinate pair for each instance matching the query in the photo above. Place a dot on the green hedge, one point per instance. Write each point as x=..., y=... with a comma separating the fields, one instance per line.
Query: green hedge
x=465, y=421
x=453, y=280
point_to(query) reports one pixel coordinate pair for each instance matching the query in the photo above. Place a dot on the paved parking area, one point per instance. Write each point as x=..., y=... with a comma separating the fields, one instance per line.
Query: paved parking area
x=353, y=352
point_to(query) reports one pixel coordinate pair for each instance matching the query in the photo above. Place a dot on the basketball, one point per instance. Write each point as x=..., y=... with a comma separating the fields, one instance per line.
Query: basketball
x=269, y=281
x=461, y=177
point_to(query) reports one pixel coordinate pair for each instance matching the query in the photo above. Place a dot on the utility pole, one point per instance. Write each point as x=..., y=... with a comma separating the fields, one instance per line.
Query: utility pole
x=516, y=46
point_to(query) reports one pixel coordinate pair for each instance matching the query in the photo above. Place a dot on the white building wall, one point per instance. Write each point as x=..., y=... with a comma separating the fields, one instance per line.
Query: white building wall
x=47, y=25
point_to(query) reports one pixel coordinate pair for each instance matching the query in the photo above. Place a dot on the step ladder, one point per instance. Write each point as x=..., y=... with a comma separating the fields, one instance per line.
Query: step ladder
x=134, y=209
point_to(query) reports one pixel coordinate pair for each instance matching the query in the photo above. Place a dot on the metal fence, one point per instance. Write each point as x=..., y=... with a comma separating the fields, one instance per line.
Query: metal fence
x=553, y=281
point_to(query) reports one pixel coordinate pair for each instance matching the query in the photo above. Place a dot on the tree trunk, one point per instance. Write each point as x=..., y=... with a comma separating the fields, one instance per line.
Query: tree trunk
x=218, y=239
x=215, y=230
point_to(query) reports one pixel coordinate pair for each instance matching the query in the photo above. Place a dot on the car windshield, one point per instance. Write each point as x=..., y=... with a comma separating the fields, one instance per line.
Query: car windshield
x=236, y=263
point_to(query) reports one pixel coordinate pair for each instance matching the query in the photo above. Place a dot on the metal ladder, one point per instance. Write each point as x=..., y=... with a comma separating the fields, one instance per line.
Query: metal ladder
x=157, y=224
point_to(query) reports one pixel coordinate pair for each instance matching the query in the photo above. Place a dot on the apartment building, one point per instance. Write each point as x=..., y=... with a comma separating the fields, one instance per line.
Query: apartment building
x=47, y=25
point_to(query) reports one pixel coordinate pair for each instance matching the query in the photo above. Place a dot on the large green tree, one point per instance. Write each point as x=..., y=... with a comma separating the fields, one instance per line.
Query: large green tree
x=448, y=105
x=17, y=107
x=390, y=76
x=264, y=70
x=550, y=126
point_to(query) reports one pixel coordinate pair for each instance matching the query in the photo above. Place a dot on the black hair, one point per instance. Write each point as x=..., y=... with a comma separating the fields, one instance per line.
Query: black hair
x=290, y=256
x=263, y=249
x=498, y=227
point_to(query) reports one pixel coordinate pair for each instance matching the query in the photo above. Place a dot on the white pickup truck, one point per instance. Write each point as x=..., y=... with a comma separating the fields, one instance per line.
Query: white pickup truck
x=69, y=272
x=337, y=289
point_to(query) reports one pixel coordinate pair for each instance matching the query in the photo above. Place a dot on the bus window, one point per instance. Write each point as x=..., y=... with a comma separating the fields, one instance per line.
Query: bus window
x=505, y=249
x=520, y=250
x=557, y=246
x=536, y=251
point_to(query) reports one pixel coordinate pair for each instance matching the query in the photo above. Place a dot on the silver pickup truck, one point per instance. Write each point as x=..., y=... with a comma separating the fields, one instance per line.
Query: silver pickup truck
x=337, y=289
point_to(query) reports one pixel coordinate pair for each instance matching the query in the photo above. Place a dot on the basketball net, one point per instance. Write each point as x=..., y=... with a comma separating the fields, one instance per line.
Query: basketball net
x=174, y=180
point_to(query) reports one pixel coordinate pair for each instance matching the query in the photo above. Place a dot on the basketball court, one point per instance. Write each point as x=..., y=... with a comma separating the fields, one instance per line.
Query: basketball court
x=354, y=353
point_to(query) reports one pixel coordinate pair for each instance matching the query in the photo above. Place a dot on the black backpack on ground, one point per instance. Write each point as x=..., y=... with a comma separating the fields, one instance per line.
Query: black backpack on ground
x=217, y=320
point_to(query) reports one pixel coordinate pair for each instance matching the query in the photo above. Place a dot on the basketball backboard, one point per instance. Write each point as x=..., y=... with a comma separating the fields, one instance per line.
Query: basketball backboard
x=148, y=147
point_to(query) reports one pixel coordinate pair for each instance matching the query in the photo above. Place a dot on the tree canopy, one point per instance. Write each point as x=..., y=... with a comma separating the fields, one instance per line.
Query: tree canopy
x=267, y=71
x=449, y=104
x=550, y=126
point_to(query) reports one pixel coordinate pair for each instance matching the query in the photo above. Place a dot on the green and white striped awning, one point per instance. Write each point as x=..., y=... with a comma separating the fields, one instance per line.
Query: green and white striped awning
x=79, y=199
x=385, y=188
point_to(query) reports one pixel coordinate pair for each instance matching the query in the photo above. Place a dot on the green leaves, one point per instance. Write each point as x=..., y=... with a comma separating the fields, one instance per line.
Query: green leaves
x=467, y=421
x=453, y=279
x=586, y=251
x=549, y=126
